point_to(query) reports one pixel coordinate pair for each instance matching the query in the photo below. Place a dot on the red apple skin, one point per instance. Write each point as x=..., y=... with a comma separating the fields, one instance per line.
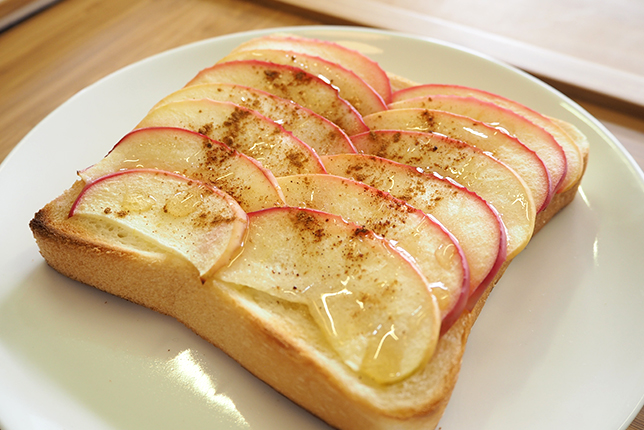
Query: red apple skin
x=363, y=66
x=290, y=83
x=346, y=186
x=505, y=148
x=264, y=195
x=462, y=303
x=386, y=165
x=573, y=154
x=130, y=171
x=525, y=137
x=318, y=132
x=241, y=129
x=352, y=87
x=475, y=295
x=144, y=130
x=323, y=253
x=468, y=165
x=212, y=245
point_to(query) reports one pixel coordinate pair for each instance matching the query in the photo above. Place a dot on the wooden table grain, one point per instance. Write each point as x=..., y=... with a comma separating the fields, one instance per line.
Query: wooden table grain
x=49, y=57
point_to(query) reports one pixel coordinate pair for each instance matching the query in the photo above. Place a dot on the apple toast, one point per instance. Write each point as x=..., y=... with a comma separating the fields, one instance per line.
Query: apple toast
x=339, y=249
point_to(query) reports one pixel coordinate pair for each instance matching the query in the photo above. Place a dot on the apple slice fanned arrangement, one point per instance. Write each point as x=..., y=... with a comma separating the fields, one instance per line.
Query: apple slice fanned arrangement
x=333, y=228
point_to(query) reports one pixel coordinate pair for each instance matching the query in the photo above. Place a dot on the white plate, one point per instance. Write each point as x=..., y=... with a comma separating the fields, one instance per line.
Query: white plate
x=558, y=346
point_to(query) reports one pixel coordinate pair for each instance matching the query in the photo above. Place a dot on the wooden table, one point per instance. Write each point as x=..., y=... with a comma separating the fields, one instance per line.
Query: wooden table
x=49, y=57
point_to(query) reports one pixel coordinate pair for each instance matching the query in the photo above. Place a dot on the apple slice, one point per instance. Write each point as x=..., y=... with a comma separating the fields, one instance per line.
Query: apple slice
x=437, y=254
x=574, y=156
x=196, y=156
x=203, y=224
x=373, y=305
x=289, y=83
x=525, y=162
x=542, y=166
x=351, y=59
x=469, y=166
x=473, y=222
x=352, y=88
x=242, y=129
x=316, y=131
x=575, y=134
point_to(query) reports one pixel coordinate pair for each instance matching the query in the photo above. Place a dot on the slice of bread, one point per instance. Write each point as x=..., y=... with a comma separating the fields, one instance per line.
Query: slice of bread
x=277, y=341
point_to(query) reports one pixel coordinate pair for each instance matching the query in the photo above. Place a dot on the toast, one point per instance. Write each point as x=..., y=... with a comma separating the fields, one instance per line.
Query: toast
x=277, y=340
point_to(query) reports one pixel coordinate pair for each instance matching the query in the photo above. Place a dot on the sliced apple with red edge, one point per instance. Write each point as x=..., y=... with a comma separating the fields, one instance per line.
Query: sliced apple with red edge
x=318, y=132
x=195, y=156
x=574, y=133
x=509, y=150
x=290, y=83
x=371, y=303
x=531, y=151
x=469, y=166
x=368, y=69
x=475, y=224
x=242, y=129
x=573, y=153
x=195, y=220
x=352, y=88
x=436, y=252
